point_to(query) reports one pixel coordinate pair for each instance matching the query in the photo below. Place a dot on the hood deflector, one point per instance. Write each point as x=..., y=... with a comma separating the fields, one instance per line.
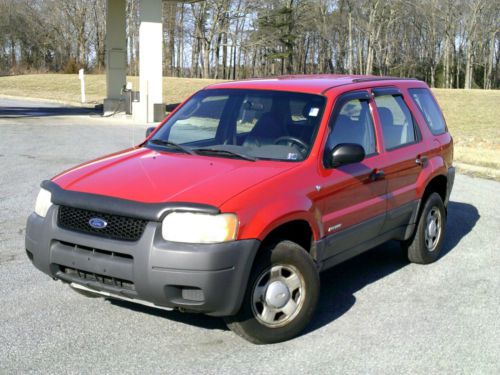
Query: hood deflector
x=123, y=207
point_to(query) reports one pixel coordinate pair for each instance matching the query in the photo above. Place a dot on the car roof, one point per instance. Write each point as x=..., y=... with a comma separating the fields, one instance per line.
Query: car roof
x=314, y=84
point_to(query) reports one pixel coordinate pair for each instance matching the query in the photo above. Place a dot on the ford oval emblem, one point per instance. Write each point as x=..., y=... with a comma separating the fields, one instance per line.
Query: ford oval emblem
x=98, y=223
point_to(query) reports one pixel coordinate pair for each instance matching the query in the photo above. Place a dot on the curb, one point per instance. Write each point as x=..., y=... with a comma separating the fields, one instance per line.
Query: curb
x=477, y=171
x=54, y=101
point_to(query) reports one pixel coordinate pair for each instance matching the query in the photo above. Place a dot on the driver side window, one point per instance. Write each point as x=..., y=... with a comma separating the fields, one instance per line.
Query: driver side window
x=354, y=124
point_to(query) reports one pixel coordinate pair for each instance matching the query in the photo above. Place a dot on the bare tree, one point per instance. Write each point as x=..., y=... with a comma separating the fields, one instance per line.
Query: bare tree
x=448, y=43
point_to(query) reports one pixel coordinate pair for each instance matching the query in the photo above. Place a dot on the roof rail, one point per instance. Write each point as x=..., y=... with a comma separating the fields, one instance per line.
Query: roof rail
x=368, y=79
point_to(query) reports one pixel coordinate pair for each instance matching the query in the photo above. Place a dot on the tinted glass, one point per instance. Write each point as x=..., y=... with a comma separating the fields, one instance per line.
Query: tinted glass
x=354, y=125
x=202, y=123
x=257, y=123
x=430, y=110
x=254, y=106
x=396, y=119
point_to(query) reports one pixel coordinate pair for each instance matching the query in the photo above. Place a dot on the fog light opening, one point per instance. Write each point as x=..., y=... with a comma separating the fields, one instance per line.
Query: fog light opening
x=193, y=294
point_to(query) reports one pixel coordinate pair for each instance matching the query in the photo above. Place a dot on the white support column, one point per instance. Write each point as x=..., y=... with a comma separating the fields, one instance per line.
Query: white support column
x=151, y=58
x=116, y=54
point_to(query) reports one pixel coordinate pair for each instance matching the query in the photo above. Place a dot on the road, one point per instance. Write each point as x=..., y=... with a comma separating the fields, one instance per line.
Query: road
x=377, y=313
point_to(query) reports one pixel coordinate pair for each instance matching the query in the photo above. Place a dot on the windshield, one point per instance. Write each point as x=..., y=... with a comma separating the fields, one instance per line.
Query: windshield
x=245, y=124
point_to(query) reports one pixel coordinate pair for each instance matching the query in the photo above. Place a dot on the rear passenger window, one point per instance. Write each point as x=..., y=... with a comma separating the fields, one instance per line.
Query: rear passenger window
x=430, y=110
x=354, y=125
x=396, y=120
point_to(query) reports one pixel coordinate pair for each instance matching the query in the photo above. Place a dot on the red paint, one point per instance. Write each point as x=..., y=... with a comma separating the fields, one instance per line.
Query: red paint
x=266, y=194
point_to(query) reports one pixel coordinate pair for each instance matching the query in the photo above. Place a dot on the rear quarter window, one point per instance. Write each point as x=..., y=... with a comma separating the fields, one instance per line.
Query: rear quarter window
x=429, y=109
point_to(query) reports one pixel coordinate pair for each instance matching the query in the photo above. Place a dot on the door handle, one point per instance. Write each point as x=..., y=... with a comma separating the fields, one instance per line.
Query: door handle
x=421, y=160
x=377, y=174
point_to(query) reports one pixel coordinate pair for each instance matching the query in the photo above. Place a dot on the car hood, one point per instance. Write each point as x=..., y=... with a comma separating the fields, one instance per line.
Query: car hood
x=145, y=175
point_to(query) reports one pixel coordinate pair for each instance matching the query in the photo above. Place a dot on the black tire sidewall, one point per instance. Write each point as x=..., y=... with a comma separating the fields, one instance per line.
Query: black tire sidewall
x=418, y=249
x=285, y=253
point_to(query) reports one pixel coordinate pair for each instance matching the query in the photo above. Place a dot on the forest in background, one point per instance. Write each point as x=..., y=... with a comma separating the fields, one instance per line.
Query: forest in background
x=448, y=43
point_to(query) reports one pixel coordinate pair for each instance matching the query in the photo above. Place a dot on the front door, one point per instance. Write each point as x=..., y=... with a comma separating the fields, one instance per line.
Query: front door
x=353, y=199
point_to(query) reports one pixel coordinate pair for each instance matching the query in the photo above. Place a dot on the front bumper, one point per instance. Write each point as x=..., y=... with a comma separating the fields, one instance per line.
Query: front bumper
x=206, y=278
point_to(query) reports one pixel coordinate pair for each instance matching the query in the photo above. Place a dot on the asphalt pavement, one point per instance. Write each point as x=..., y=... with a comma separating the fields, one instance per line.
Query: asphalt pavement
x=377, y=313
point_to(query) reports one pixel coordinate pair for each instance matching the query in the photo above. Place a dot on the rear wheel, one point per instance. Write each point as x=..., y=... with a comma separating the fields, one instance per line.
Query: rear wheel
x=281, y=296
x=425, y=245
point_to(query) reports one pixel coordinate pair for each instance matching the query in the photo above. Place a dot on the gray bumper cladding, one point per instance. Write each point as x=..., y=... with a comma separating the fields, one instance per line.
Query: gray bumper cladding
x=206, y=278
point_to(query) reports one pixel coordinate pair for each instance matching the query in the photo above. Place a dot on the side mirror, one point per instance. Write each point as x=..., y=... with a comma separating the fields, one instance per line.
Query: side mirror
x=150, y=130
x=346, y=153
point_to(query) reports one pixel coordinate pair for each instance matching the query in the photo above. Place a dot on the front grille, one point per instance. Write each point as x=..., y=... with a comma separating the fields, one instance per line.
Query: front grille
x=83, y=276
x=118, y=227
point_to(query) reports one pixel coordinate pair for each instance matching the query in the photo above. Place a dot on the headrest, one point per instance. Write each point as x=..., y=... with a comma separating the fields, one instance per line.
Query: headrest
x=386, y=117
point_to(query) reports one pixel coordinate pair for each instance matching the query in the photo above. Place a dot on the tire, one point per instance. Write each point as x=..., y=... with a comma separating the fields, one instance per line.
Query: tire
x=426, y=243
x=281, y=295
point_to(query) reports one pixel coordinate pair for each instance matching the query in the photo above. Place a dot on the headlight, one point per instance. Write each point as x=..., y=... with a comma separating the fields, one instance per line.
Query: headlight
x=199, y=228
x=43, y=202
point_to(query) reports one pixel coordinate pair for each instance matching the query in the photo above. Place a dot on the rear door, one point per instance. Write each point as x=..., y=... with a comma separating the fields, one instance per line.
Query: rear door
x=404, y=155
x=353, y=197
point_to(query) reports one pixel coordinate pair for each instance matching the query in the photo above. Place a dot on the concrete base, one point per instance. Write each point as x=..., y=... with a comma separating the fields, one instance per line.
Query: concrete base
x=112, y=106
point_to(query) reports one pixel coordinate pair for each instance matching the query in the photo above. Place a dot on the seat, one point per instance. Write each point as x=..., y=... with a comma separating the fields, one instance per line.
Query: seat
x=308, y=129
x=392, y=133
x=267, y=129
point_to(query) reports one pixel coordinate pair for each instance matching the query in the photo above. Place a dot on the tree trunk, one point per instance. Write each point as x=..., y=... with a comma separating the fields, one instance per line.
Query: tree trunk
x=360, y=55
x=206, y=58
x=371, y=37
x=306, y=51
x=13, y=60
x=180, y=48
x=468, y=64
x=170, y=10
x=488, y=81
x=350, y=52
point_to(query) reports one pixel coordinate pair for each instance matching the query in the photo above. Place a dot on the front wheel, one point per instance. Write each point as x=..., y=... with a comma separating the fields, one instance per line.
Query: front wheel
x=281, y=296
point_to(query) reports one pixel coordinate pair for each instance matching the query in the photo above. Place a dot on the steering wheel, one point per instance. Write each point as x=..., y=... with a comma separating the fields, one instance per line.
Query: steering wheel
x=303, y=147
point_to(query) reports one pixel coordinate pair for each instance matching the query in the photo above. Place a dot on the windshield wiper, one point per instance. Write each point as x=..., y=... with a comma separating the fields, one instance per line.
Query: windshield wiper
x=161, y=142
x=225, y=152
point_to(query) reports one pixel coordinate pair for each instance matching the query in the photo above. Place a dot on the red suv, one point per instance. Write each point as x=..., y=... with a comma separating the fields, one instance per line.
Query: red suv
x=235, y=203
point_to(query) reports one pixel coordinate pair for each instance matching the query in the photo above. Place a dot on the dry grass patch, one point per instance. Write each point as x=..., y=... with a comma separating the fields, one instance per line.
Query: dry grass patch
x=66, y=87
x=473, y=120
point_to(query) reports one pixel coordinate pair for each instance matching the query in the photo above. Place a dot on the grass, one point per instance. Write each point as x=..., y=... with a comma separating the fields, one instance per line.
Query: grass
x=66, y=87
x=472, y=116
x=473, y=119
